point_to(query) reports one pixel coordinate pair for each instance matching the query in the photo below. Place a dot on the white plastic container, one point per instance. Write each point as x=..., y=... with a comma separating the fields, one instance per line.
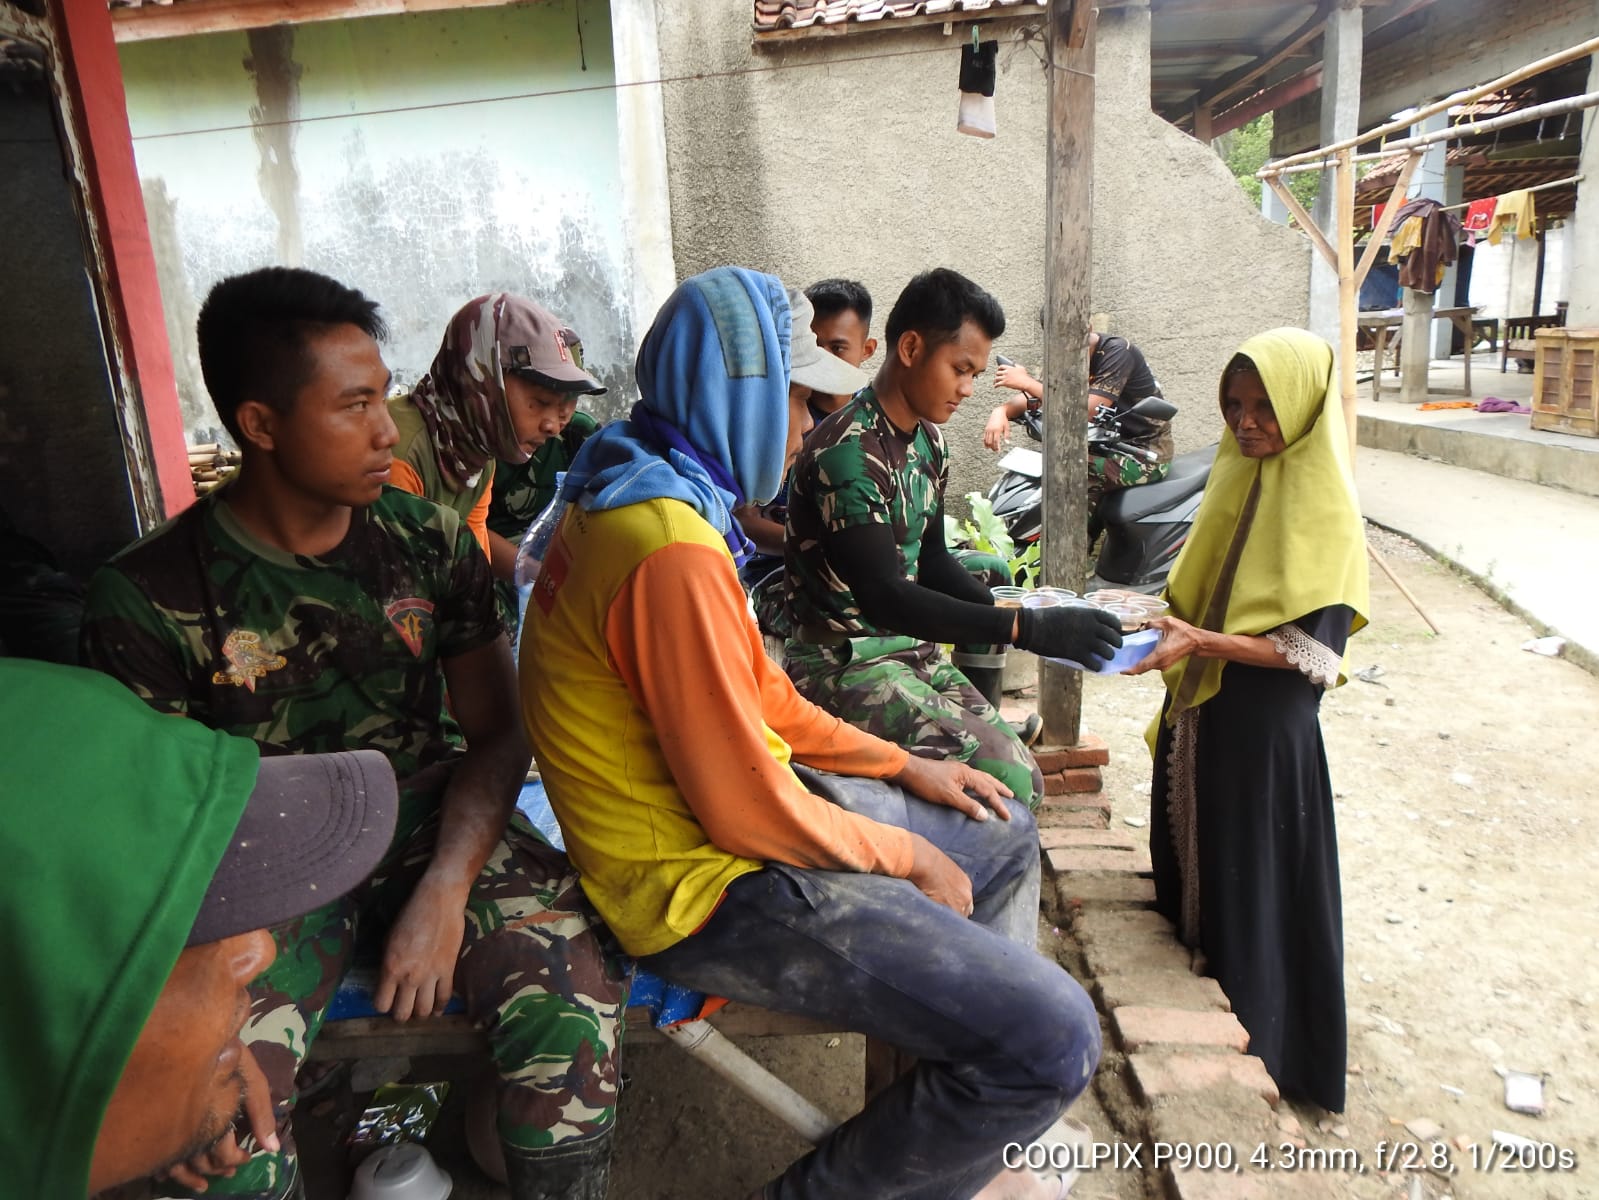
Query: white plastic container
x=402, y=1172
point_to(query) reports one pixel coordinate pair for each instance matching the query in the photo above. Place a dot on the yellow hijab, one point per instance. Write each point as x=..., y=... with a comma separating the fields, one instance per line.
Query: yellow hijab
x=1279, y=537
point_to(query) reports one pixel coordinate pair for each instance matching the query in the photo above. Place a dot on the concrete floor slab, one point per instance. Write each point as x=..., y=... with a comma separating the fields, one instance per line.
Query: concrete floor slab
x=1497, y=443
x=1531, y=546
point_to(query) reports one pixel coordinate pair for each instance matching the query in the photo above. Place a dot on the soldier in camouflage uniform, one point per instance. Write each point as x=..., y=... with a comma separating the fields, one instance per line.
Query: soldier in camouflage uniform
x=1118, y=378
x=872, y=588
x=311, y=608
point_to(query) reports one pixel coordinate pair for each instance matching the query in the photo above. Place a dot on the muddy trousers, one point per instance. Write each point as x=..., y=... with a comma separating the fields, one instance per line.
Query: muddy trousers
x=1005, y=1039
x=907, y=692
x=534, y=975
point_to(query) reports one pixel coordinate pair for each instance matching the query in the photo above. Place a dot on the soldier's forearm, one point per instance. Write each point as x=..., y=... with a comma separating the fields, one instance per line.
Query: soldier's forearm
x=477, y=805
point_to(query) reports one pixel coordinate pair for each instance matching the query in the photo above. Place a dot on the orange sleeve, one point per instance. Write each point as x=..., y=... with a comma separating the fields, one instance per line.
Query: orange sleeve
x=478, y=519
x=690, y=656
x=403, y=476
x=818, y=738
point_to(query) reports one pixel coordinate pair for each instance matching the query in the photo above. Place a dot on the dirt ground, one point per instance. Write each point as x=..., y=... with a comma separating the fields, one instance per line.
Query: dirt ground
x=1465, y=777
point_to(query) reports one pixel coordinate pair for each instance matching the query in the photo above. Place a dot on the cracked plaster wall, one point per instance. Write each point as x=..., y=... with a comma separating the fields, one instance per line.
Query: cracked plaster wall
x=283, y=147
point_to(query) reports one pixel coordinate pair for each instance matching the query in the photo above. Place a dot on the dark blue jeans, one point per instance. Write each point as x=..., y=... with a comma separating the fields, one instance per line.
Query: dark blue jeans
x=1005, y=1039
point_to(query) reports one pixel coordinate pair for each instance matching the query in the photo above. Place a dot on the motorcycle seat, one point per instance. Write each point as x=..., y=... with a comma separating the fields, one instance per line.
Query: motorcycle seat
x=1186, y=478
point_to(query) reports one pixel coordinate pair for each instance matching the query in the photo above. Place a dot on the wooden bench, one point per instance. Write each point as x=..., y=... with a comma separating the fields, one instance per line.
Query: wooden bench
x=1518, y=338
x=383, y=1037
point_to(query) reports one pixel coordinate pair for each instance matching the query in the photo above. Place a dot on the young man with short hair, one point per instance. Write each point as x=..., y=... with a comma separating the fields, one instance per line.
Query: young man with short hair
x=843, y=326
x=144, y=862
x=872, y=587
x=310, y=608
x=894, y=895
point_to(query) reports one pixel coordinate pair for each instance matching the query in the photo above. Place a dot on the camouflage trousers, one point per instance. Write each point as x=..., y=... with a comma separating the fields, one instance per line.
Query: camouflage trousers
x=909, y=693
x=1113, y=472
x=537, y=972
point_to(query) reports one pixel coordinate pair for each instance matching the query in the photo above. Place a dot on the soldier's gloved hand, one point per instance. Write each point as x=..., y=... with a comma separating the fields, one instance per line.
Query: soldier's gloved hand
x=1086, y=635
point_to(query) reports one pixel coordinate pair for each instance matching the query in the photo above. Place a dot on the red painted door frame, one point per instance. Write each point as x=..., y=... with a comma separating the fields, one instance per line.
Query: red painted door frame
x=96, y=120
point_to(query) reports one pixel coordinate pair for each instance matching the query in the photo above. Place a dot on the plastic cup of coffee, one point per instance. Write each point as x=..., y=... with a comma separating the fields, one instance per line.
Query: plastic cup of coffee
x=1008, y=596
x=1132, y=616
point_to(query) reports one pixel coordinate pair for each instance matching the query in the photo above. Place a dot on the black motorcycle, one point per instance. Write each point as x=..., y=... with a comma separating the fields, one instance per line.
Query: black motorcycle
x=1144, y=526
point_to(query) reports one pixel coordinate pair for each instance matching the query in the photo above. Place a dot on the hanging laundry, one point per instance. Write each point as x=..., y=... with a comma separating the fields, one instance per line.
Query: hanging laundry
x=1480, y=214
x=1426, y=251
x=1406, y=238
x=1376, y=214
x=1515, y=212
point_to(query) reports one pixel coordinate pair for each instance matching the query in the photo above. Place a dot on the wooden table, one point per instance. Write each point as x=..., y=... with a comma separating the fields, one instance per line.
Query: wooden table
x=1380, y=323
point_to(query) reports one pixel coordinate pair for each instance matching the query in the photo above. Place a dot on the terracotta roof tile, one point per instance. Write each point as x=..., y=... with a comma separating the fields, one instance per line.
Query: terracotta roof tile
x=801, y=14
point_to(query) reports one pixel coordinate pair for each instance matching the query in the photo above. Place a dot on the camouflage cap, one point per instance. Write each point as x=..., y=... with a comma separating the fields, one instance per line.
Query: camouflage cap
x=533, y=341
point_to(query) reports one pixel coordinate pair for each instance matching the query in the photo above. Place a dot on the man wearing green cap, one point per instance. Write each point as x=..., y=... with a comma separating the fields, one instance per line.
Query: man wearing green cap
x=142, y=865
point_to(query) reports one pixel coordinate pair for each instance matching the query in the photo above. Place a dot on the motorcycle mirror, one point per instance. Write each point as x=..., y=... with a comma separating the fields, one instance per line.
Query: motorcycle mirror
x=1154, y=408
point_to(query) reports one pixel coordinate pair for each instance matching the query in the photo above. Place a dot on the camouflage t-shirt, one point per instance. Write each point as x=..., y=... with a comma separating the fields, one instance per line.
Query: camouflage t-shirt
x=302, y=655
x=858, y=468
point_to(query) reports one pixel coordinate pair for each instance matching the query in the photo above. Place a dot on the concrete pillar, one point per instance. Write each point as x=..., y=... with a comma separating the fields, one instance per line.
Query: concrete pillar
x=1272, y=207
x=1584, y=267
x=641, y=131
x=1417, y=345
x=1340, y=120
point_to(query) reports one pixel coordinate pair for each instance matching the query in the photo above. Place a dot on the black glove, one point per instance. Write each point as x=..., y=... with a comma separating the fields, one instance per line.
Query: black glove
x=1086, y=635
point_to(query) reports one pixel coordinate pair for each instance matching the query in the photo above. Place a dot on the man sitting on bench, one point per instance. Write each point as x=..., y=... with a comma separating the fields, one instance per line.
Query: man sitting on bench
x=896, y=896
x=310, y=608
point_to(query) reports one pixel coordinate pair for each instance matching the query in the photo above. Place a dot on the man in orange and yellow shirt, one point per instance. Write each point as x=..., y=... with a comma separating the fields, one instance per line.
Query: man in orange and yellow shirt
x=896, y=895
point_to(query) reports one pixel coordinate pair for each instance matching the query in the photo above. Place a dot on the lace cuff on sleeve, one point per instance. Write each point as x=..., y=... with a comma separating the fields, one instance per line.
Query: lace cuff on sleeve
x=1319, y=663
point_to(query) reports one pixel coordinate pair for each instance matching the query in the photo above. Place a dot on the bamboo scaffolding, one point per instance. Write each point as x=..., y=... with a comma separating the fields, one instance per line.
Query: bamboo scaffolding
x=1324, y=156
x=1341, y=157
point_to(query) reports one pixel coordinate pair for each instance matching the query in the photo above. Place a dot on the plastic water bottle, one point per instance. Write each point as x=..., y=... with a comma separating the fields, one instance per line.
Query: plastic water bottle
x=536, y=543
x=530, y=560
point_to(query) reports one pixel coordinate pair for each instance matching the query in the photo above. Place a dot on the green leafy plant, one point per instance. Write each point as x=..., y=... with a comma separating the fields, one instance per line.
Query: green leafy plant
x=985, y=532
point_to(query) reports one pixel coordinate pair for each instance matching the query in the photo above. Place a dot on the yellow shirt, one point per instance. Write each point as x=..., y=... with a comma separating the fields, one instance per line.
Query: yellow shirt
x=1515, y=210
x=664, y=732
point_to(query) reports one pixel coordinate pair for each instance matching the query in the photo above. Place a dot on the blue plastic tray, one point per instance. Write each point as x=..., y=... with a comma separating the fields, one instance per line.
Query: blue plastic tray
x=1135, y=648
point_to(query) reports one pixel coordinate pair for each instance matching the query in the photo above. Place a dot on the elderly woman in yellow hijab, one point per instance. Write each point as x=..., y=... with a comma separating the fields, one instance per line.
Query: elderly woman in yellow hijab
x=1268, y=588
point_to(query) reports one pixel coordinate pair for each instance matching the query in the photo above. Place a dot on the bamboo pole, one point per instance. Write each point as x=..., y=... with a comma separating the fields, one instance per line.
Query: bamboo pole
x=1386, y=221
x=1403, y=590
x=1540, y=187
x=1322, y=154
x=1306, y=221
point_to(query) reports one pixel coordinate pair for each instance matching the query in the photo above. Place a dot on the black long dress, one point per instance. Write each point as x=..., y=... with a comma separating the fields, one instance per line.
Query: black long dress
x=1270, y=915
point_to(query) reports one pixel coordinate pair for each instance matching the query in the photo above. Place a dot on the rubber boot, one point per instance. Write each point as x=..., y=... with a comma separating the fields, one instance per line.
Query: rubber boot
x=570, y=1171
x=984, y=668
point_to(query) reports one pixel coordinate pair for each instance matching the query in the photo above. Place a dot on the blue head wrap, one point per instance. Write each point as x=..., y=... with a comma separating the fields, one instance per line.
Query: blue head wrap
x=712, y=427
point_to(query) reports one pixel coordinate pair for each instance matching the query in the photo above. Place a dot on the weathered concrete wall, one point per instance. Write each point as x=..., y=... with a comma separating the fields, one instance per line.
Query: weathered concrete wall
x=424, y=159
x=1459, y=44
x=1184, y=265
x=63, y=472
x=840, y=157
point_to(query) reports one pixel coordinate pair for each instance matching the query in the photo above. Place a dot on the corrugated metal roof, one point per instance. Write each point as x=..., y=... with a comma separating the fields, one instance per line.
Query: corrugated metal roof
x=803, y=14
